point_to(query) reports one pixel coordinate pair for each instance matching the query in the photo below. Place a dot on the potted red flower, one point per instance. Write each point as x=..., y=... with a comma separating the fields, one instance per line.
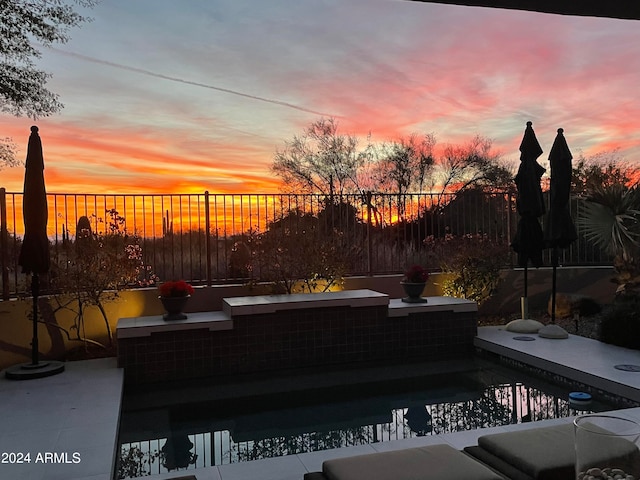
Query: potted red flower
x=176, y=289
x=413, y=283
x=174, y=296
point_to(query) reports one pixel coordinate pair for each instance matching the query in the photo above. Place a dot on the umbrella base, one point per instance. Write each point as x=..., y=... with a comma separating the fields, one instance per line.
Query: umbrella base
x=28, y=371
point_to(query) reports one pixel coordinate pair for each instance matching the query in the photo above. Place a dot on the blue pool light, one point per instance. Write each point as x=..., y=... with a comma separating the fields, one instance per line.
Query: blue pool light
x=579, y=398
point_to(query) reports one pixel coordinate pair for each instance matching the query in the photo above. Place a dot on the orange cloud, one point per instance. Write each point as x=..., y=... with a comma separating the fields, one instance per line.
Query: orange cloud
x=81, y=159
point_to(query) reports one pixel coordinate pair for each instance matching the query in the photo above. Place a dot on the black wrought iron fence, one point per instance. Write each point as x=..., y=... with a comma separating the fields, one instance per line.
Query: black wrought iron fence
x=210, y=238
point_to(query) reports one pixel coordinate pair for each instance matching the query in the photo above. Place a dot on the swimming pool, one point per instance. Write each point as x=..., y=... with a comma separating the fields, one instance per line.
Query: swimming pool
x=196, y=426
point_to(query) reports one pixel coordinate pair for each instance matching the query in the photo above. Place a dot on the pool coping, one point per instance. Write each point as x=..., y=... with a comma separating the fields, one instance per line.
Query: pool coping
x=587, y=361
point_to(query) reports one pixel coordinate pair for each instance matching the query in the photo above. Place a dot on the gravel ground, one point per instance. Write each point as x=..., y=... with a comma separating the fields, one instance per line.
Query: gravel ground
x=586, y=326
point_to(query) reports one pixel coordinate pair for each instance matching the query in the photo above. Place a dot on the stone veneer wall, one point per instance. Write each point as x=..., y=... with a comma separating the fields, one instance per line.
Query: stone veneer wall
x=301, y=338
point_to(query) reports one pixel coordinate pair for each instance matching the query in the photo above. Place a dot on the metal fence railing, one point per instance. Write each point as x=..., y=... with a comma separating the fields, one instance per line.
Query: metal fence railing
x=202, y=237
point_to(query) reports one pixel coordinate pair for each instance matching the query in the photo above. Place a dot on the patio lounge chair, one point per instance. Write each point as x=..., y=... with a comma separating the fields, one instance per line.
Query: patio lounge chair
x=421, y=463
x=546, y=453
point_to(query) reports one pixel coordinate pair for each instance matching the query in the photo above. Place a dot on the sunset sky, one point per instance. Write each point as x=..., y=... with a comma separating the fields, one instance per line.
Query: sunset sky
x=163, y=96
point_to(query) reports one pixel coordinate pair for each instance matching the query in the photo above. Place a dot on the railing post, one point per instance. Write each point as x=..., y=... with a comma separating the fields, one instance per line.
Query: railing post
x=4, y=244
x=207, y=230
x=369, y=196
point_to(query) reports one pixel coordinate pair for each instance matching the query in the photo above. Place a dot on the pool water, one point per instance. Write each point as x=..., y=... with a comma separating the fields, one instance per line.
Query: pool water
x=200, y=426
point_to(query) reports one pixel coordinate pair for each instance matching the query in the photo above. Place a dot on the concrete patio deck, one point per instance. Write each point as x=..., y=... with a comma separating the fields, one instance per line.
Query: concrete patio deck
x=77, y=412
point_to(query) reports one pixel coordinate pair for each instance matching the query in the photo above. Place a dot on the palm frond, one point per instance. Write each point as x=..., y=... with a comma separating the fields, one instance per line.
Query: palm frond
x=610, y=219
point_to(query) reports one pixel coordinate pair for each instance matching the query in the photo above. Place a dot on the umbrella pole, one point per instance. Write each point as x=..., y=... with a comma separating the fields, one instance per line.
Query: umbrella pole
x=35, y=290
x=524, y=302
x=35, y=369
x=554, y=263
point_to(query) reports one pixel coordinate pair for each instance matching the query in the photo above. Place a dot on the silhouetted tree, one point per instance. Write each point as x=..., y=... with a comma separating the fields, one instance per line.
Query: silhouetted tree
x=604, y=169
x=321, y=160
x=474, y=164
x=26, y=24
x=403, y=165
x=8, y=153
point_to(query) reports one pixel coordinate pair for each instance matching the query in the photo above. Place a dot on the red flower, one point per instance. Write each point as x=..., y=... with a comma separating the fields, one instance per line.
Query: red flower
x=176, y=289
x=416, y=274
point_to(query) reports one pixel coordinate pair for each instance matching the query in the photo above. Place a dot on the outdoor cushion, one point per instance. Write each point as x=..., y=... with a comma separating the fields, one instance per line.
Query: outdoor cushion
x=546, y=453
x=497, y=464
x=421, y=463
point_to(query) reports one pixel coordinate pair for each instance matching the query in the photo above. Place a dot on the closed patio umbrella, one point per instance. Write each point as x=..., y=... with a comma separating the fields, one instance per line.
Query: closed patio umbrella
x=528, y=240
x=560, y=231
x=34, y=254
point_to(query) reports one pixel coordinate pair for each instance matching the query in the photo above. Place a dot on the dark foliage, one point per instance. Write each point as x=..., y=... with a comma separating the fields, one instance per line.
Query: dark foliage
x=25, y=26
x=620, y=324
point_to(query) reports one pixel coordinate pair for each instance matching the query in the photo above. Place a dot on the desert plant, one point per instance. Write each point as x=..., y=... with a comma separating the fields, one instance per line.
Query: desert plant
x=610, y=219
x=167, y=225
x=93, y=269
x=473, y=262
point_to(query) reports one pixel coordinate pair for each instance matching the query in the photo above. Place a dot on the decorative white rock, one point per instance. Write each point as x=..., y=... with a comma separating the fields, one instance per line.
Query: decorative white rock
x=524, y=326
x=553, y=331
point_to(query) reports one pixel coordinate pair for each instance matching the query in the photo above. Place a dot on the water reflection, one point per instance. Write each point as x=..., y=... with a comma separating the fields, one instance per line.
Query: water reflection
x=176, y=453
x=231, y=437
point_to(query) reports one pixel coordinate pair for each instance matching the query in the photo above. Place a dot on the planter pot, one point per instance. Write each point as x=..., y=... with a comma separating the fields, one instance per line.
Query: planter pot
x=413, y=292
x=174, y=307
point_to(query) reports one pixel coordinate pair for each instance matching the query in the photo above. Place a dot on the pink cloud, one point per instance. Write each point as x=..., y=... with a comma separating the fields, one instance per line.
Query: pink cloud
x=385, y=68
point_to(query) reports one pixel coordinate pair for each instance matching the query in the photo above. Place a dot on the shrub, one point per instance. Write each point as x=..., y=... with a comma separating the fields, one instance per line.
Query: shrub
x=473, y=262
x=298, y=255
x=620, y=325
x=92, y=270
